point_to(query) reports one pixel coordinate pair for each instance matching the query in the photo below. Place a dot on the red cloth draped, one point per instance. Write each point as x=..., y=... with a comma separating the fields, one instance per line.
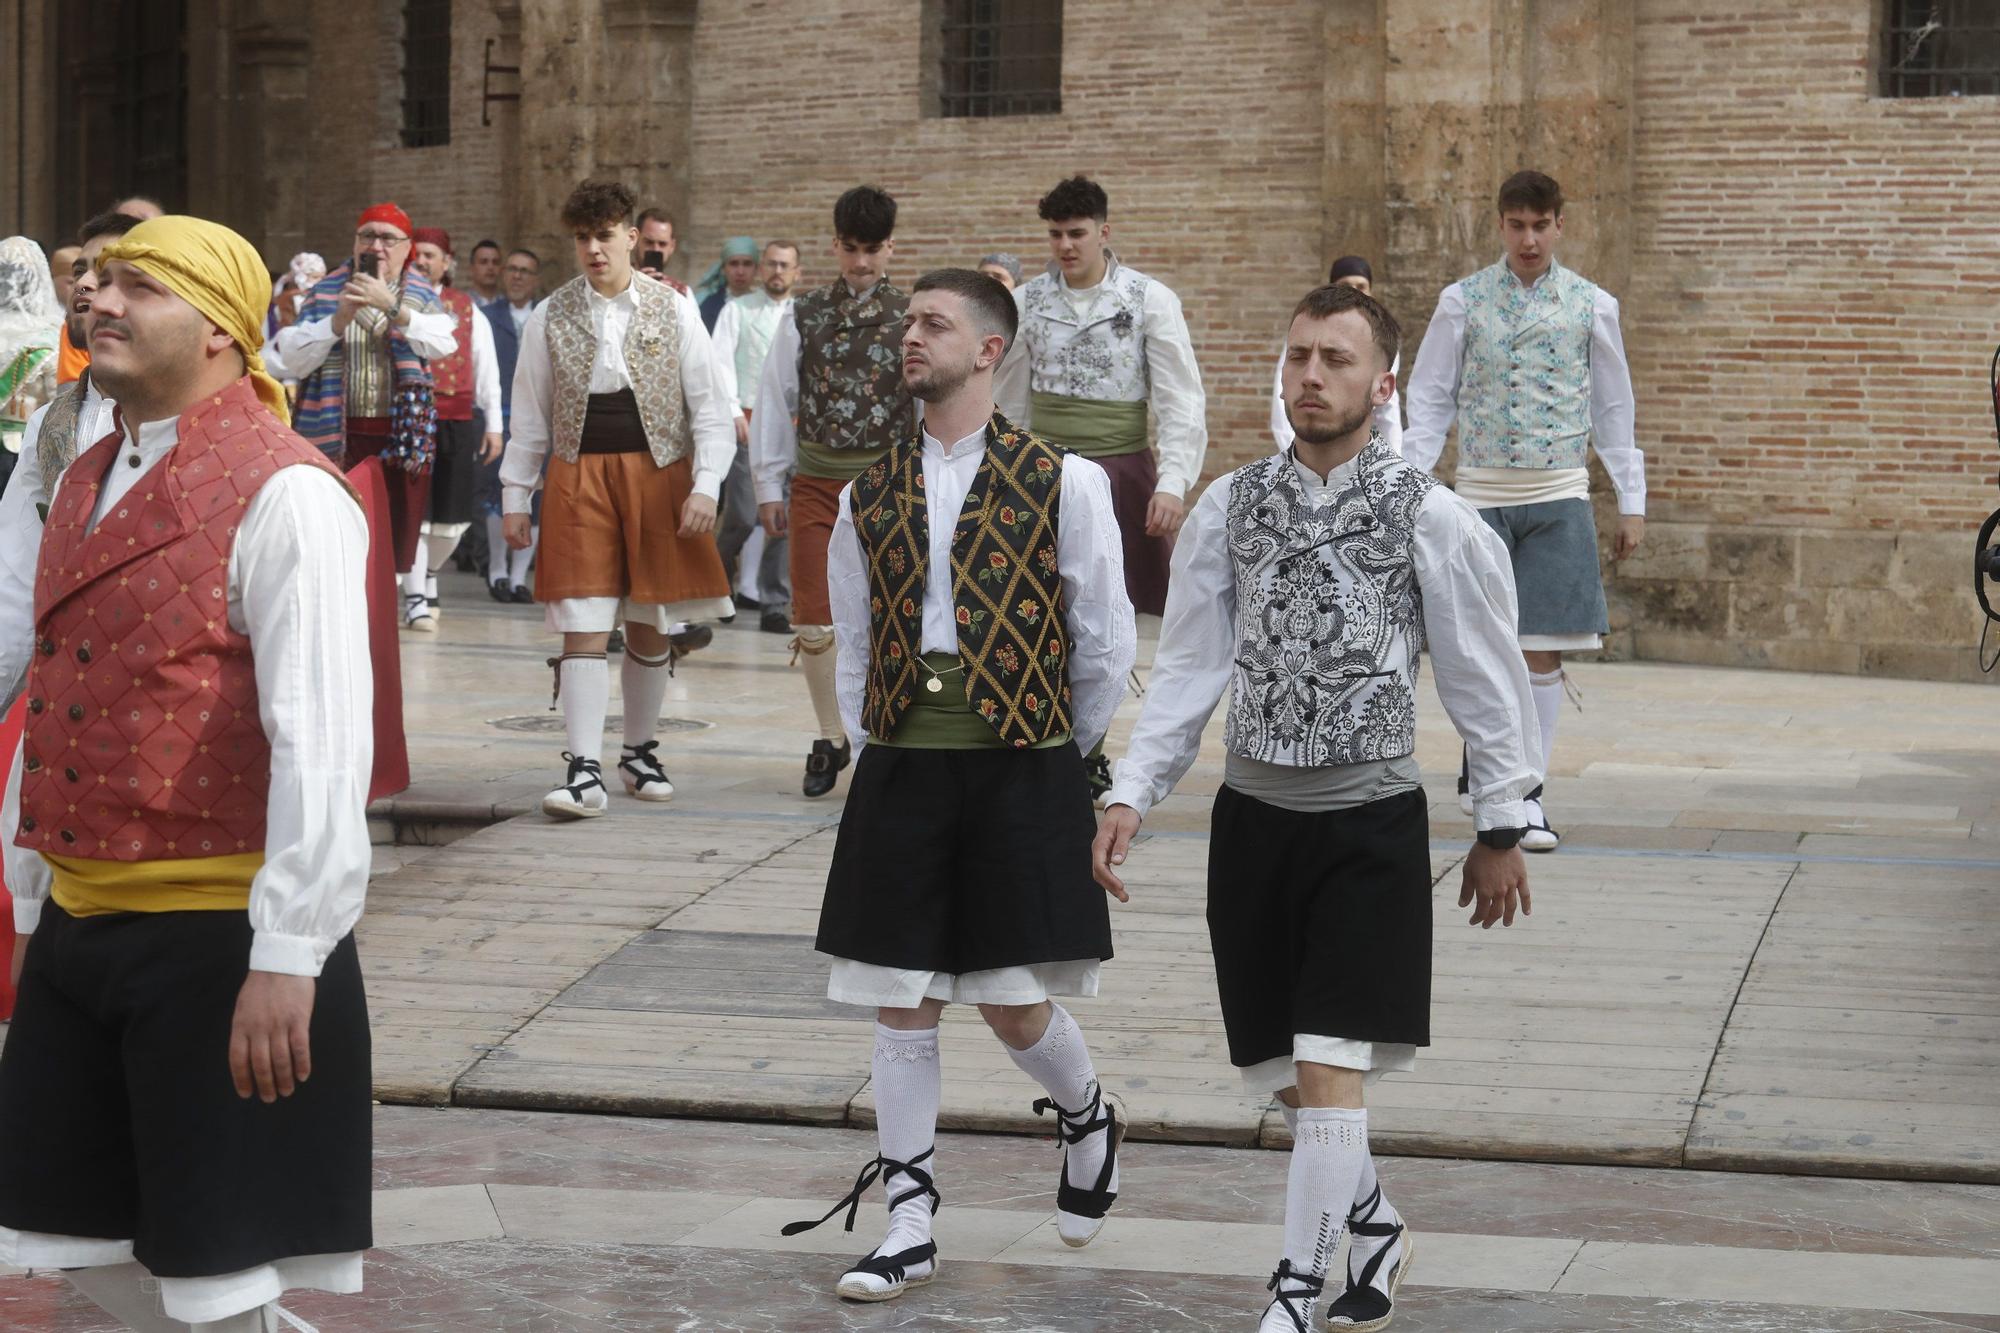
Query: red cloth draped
x=392, y=756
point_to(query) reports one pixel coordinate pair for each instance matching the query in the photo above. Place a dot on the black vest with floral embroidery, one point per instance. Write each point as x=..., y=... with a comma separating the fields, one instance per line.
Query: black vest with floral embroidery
x=1013, y=638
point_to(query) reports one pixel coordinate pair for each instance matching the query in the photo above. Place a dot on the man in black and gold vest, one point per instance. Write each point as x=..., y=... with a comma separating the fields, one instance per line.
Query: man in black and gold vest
x=830, y=403
x=977, y=589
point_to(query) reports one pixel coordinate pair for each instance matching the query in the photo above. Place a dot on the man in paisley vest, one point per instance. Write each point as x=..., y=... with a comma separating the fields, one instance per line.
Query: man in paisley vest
x=615, y=392
x=830, y=402
x=185, y=1089
x=1100, y=343
x=466, y=384
x=1527, y=357
x=1306, y=586
x=979, y=598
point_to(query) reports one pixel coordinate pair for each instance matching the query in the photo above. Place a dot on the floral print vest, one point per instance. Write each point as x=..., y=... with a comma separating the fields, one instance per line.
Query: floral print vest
x=652, y=356
x=851, y=393
x=1524, y=378
x=1013, y=637
x=1098, y=352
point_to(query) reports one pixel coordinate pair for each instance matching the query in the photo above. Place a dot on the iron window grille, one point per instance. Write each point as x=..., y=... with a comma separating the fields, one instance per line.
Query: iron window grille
x=426, y=73
x=999, y=57
x=1941, y=48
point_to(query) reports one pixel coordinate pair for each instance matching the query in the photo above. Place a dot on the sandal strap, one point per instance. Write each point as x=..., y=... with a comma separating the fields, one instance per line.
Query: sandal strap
x=589, y=770
x=878, y=1169
x=643, y=762
x=895, y=1267
x=1074, y=1126
x=1308, y=1287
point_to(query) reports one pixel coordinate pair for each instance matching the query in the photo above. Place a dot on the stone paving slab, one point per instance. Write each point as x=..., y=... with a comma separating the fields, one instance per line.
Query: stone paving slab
x=1723, y=967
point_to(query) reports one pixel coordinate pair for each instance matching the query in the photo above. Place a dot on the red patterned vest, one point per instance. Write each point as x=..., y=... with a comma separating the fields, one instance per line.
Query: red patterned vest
x=143, y=740
x=451, y=376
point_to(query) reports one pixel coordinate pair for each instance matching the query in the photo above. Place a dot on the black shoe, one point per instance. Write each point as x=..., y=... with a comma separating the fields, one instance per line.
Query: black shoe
x=1080, y=1212
x=1097, y=771
x=523, y=595
x=775, y=621
x=616, y=643
x=499, y=590
x=1370, y=1299
x=824, y=764
x=748, y=603
x=690, y=639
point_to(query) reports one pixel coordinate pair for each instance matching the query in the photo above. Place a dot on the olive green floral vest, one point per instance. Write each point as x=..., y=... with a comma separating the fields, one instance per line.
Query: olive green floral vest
x=1013, y=637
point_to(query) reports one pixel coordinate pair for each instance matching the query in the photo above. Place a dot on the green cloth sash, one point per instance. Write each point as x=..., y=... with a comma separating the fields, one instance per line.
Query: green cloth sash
x=817, y=460
x=945, y=720
x=1093, y=427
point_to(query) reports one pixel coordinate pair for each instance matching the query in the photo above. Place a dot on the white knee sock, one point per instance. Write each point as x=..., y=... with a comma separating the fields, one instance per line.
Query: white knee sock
x=816, y=654
x=1326, y=1161
x=127, y=1292
x=518, y=561
x=1548, y=692
x=585, y=687
x=642, y=681
x=412, y=579
x=908, y=1085
x=1060, y=1062
x=440, y=540
x=496, y=550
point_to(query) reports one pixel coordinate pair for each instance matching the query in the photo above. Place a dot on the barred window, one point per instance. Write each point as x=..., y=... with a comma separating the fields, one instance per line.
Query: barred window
x=426, y=73
x=1941, y=48
x=999, y=57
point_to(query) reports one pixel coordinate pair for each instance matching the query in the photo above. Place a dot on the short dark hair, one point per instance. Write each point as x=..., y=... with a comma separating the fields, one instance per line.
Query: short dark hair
x=112, y=223
x=523, y=250
x=991, y=304
x=594, y=203
x=793, y=246
x=1077, y=197
x=656, y=215
x=1337, y=298
x=1533, y=191
x=864, y=215
x=488, y=244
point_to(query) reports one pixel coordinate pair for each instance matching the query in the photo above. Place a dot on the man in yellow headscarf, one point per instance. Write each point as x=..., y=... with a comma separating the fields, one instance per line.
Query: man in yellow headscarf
x=193, y=953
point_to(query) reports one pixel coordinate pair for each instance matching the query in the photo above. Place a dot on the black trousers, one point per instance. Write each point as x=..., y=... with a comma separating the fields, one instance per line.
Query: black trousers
x=1321, y=922
x=118, y=1119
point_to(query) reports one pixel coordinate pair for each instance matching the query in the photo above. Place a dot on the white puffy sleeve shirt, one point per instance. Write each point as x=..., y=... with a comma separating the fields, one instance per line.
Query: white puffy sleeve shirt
x=709, y=418
x=1434, y=394
x=774, y=433
x=1090, y=560
x=1467, y=584
x=295, y=589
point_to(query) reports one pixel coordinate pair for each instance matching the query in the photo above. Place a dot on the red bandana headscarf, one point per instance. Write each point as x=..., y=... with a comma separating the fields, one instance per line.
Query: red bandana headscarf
x=387, y=213
x=437, y=236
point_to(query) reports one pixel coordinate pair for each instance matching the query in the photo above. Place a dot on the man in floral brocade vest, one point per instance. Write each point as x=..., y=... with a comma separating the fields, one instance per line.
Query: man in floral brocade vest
x=1527, y=356
x=977, y=587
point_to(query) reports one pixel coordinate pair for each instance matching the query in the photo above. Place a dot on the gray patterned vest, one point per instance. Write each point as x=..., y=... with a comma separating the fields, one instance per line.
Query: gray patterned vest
x=652, y=356
x=56, y=446
x=1329, y=617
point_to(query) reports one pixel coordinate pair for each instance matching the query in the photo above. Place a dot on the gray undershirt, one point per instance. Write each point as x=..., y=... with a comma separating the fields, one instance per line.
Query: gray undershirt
x=1332, y=787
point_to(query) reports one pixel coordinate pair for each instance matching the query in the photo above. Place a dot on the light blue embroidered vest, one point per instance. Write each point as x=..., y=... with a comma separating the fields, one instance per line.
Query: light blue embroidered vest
x=1524, y=379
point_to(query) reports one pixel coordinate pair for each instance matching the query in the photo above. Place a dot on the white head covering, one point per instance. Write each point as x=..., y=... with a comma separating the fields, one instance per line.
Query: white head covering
x=30, y=315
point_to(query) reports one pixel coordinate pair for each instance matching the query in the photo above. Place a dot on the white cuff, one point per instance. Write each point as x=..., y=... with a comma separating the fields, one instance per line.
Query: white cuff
x=27, y=915
x=1632, y=506
x=1497, y=814
x=708, y=483
x=1132, y=795
x=770, y=495
x=299, y=955
x=516, y=499
x=1168, y=486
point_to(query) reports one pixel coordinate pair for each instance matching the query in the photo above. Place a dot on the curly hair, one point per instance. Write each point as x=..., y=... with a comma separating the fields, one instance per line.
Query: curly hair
x=1077, y=197
x=594, y=203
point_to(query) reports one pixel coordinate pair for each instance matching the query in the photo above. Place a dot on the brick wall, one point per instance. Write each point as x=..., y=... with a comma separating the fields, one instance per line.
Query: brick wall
x=1206, y=134
x=1810, y=321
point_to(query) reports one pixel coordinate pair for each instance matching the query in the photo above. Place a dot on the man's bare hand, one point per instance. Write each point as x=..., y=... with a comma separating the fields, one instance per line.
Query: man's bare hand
x=772, y=515
x=20, y=958
x=1631, y=531
x=697, y=516
x=490, y=446
x=1499, y=880
x=518, y=529
x=270, y=1042
x=370, y=290
x=1115, y=831
x=1164, y=514
x=742, y=432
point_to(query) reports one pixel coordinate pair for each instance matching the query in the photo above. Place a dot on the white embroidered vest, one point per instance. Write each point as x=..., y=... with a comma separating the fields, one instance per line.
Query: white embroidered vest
x=1524, y=379
x=1329, y=617
x=652, y=356
x=1098, y=352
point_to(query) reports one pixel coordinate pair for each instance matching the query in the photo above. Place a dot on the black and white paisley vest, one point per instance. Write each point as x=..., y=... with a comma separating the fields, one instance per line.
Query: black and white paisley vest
x=1328, y=612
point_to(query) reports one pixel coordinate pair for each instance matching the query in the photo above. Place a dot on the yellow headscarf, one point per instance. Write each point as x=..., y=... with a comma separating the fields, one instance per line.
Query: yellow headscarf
x=215, y=271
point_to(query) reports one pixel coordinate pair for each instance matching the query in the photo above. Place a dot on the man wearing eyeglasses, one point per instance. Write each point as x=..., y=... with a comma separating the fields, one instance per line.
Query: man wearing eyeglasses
x=375, y=399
